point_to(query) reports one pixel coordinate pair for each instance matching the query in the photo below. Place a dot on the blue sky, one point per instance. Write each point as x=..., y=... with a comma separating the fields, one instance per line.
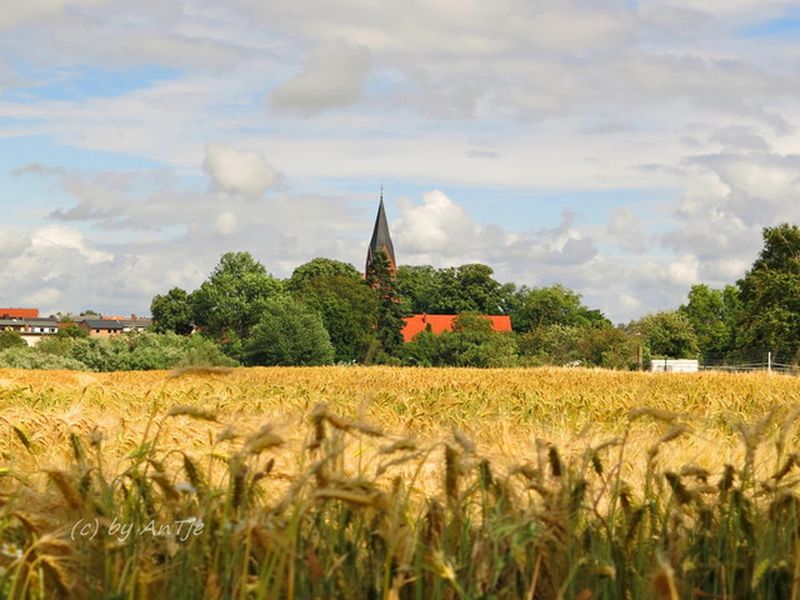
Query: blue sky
x=628, y=150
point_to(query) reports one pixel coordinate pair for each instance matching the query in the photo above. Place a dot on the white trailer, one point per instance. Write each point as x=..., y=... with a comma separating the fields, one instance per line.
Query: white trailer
x=674, y=365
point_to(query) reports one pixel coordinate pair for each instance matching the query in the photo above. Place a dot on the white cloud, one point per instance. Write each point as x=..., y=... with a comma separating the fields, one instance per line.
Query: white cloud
x=627, y=230
x=333, y=77
x=12, y=244
x=66, y=238
x=225, y=223
x=238, y=171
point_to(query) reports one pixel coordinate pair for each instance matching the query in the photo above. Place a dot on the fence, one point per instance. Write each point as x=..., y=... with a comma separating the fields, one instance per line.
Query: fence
x=754, y=361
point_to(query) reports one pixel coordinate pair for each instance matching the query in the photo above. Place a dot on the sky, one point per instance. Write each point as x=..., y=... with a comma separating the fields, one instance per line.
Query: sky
x=626, y=149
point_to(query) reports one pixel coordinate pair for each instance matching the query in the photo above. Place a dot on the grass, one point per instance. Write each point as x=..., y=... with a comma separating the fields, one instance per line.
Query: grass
x=398, y=483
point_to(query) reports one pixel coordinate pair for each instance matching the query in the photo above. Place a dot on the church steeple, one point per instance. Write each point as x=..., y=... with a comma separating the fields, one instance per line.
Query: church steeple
x=381, y=240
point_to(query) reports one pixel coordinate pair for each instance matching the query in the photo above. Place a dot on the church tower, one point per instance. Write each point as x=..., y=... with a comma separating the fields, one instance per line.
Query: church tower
x=381, y=240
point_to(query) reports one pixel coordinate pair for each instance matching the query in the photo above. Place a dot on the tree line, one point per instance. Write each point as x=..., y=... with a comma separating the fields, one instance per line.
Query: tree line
x=326, y=312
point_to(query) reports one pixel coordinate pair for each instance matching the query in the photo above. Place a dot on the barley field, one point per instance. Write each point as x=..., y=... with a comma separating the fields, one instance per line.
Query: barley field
x=348, y=482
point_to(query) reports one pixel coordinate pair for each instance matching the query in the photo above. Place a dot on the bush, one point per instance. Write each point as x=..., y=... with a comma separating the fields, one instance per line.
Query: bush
x=138, y=351
x=289, y=333
x=472, y=343
x=30, y=358
x=11, y=339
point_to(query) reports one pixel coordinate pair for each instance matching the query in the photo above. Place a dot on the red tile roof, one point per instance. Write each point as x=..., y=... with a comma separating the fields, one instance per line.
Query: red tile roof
x=415, y=324
x=19, y=313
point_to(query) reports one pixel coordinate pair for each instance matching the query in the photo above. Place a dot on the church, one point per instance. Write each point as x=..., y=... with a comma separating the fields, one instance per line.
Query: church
x=415, y=324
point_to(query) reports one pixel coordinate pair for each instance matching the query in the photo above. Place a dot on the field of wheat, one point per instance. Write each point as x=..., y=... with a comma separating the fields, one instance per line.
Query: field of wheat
x=399, y=483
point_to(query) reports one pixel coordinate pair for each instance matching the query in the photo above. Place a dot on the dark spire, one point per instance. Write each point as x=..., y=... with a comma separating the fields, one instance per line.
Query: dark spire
x=381, y=238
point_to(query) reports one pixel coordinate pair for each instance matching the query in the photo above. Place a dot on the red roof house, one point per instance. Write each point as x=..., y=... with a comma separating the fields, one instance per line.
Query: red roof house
x=416, y=324
x=19, y=313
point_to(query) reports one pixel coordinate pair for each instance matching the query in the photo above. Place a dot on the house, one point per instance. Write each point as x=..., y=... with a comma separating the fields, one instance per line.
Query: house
x=31, y=329
x=19, y=313
x=382, y=240
x=416, y=324
x=104, y=326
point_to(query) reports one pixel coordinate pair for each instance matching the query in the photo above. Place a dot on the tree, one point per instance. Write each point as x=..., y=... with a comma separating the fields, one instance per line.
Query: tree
x=609, y=347
x=468, y=288
x=667, y=334
x=389, y=325
x=172, y=312
x=11, y=339
x=419, y=288
x=471, y=343
x=712, y=313
x=320, y=267
x=288, y=333
x=554, y=305
x=769, y=318
x=453, y=290
x=349, y=311
x=553, y=344
x=232, y=300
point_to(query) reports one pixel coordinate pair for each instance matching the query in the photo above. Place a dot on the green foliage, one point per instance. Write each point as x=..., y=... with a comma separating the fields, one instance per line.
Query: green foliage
x=600, y=346
x=72, y=331
x=31, y=358
x=472, y=343
x=553, y=344
x=390, y=323
x=289, y=333
x=419, y=288
x=667, y=334
x=172, y=312
x=11, y=339
x=712, y=314
x=554, y=305
x=321, y=267
x=137, y=351
x=349, y=311
x=770, y=296
x=232, y=300
x=453, y=290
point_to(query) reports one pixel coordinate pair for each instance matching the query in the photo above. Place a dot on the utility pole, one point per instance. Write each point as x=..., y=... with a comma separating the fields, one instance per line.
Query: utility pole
x=641, y=358
x=769, y=361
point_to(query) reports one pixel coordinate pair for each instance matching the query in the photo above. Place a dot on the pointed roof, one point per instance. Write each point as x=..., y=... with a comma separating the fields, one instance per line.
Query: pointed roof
x=380, y=237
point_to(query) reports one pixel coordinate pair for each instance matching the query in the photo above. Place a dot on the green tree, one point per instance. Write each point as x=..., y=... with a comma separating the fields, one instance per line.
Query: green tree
x=769, y=317
x=389, y=325
x=712, y=313
x=609, y=347
x=11, y=339
x=320, y=267
x=288, y=333
x=232, y=300
x=667, y=334
x=471, y=343
x=172, y=312
x=468, y=288
x=553, y=344
x=349, y=311
x=419, y=288
x=554, y=305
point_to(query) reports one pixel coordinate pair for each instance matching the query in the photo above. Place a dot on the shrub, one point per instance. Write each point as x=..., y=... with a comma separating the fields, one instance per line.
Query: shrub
x=11, y=339
x=289, y=333
x=30, y=358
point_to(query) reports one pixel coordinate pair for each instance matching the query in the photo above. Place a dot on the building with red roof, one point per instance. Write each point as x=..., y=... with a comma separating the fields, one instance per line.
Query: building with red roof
x=19, y=313
x=416, y=324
